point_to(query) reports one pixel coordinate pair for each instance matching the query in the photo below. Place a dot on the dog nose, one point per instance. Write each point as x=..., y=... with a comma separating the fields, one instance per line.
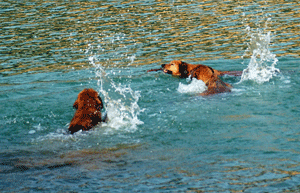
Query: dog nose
x=163, y=65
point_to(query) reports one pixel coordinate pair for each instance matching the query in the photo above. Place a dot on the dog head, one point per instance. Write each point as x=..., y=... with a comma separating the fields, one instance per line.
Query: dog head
x=88, y=98
x=176, y=68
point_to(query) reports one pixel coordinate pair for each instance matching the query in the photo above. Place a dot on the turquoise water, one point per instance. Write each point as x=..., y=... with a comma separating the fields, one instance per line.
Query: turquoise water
x=162, y=135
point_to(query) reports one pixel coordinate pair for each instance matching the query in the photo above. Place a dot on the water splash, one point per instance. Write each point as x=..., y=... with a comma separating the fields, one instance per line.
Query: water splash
x=261, y=67
x=196, y=86
x=124, y=115
x=121, y=102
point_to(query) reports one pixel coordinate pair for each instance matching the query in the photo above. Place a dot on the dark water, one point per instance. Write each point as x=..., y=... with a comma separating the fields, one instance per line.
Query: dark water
x=162, y=136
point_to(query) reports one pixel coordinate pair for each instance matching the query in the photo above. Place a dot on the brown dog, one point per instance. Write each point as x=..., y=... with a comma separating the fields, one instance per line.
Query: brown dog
x=207, y=74
x=88, y=107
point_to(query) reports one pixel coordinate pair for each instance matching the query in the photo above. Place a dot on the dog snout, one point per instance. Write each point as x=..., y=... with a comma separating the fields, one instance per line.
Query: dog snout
x=163, y=65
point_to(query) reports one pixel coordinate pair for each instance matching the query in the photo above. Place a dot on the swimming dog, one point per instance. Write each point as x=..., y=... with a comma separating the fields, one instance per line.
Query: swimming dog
x=88, y=107
x=207, y=74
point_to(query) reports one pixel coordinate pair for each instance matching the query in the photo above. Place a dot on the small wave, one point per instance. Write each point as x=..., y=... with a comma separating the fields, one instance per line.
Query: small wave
x=55, y=138
x=196, y=86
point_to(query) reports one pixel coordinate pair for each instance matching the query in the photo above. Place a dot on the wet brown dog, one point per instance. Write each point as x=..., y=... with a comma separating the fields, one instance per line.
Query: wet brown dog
x=88, y=107
x=207, y=74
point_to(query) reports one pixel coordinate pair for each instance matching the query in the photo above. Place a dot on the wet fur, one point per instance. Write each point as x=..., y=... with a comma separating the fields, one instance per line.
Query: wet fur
x=207, y=74
x=88, y=107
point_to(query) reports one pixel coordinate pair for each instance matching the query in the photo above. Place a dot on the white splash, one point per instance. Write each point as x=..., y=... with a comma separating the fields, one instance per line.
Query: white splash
x=121, y=102
x=261, y=67
x=196, y=86
x=123, y=112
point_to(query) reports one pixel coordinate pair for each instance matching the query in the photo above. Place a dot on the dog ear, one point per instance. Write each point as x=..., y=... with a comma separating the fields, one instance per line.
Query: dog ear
x=183, y=70
x=75, y=105
x=101, y=103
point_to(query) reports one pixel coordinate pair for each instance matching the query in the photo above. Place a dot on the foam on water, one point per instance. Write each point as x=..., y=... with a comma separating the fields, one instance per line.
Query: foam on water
x=196, y=86
x=261, y=67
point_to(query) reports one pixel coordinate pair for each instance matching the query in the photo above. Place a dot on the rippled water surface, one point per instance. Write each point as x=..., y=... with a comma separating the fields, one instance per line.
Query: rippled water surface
x=162, y=135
